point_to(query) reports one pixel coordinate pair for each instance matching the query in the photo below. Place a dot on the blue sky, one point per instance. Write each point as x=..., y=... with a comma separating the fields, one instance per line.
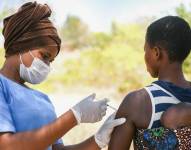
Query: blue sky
x=99, y=14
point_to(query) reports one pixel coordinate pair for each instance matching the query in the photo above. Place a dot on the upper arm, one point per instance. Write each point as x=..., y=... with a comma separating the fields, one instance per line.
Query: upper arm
x=131, y=108
x=122, y=136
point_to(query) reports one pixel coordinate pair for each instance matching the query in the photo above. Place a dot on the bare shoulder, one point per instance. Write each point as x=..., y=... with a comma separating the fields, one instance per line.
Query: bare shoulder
x=136, y=106
x=131, y=108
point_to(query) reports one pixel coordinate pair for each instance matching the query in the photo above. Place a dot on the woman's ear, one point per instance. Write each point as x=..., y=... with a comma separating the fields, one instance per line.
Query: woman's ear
x=157, y=53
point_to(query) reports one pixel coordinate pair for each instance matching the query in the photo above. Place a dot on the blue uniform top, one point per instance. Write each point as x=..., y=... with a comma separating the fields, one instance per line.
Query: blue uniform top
x=23, y=109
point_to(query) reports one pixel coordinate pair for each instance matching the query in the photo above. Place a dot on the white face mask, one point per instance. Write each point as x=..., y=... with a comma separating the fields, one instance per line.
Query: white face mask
x=36, y=73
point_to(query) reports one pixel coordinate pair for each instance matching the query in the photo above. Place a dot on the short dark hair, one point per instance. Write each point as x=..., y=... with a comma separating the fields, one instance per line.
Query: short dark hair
x=173, y=34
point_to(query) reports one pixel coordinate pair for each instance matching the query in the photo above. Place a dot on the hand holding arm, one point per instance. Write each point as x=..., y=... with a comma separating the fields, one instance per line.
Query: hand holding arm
x=101, y=138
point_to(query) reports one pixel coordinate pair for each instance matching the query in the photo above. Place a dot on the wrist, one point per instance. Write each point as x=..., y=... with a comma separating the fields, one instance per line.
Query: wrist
x=76, y=116
x=73, y=117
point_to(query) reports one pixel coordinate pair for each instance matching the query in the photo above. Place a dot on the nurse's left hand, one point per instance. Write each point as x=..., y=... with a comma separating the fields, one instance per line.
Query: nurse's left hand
x=102, y=137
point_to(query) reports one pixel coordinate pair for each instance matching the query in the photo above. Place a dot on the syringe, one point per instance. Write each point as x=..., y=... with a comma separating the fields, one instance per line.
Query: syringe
x=111, y=107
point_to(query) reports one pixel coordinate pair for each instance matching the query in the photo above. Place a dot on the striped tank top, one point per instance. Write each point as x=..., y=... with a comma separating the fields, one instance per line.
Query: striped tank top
x=161, y=100
x=157, y=137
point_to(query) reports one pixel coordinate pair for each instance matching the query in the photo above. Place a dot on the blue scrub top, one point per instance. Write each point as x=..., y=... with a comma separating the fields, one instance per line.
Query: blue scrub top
x=23, y=109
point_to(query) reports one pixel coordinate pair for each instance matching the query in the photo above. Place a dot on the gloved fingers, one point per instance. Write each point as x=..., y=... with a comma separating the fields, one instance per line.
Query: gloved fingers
x=117, y=122
x=103, y=113
x=102, y=104
x=104, y=101
x=98, y=118
x=91, y=97
x=111, y=117
x=103, y=107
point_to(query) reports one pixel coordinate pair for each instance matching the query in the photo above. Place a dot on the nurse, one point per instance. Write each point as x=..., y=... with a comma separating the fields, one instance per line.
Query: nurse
x=27, y=117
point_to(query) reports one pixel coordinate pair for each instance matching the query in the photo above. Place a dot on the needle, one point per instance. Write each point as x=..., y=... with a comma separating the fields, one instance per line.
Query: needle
x=111, y=107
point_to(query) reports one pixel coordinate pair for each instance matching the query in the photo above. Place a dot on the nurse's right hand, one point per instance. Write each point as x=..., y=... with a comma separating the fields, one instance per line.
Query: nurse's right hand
x=90, y=111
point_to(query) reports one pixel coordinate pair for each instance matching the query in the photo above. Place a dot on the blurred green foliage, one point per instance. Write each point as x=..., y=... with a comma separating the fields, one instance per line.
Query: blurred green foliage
x=183, y=12
x=106, y=59
x=114, y=59
x=74, y=33
x=2, y=58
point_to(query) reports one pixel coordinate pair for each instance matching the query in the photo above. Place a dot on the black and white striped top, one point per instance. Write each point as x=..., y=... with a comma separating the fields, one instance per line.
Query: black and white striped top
x=161, y=100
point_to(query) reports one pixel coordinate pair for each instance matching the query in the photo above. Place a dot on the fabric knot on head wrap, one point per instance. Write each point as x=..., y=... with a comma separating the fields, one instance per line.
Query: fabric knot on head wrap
x=29, y=28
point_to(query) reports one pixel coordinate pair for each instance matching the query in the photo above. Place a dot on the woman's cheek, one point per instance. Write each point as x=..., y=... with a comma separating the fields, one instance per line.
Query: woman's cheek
x=149, y=66
x=146, y=61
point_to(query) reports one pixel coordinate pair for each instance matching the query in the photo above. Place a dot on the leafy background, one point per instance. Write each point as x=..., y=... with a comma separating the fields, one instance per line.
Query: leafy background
x=109, y=63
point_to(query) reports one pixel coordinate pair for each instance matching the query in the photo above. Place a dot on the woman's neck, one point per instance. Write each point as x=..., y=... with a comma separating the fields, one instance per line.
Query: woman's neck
x=173, y=73
x=11, y=71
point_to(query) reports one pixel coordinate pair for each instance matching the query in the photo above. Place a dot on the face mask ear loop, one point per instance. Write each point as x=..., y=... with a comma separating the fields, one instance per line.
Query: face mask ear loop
x=31, y=54
x=21, y=58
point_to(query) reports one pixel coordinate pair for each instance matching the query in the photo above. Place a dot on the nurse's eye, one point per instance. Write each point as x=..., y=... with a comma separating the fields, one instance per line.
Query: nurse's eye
x=45, y=57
